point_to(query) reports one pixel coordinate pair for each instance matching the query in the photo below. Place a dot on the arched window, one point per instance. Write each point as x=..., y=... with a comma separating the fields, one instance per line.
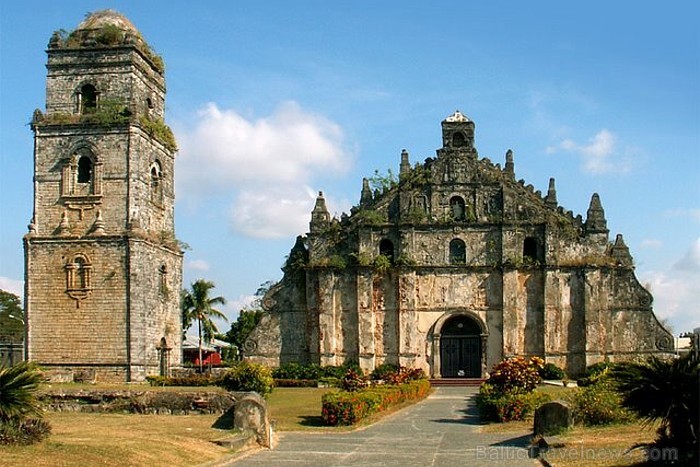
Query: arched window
x=458, y=140
x=84, y=169
x=386, y=248
x=156, y=183
x=458, y=251
x=530, y=250
x=88, y=99
x=457, y=208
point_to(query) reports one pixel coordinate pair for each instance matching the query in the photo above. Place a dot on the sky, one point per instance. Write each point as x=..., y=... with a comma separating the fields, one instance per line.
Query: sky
x=274, y=101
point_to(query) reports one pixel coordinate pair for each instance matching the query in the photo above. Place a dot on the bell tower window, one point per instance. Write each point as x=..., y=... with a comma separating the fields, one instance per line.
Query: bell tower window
x=87, y=99
x=156, y=177
x=84, y=169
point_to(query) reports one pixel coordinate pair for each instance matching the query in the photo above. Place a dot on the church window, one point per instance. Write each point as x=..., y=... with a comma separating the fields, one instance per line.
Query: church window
x=87, y=99
x=530, y=250
x=84, y=169
x=458, y=251
x=458, y=208
x=156, y=183
x=386, y=248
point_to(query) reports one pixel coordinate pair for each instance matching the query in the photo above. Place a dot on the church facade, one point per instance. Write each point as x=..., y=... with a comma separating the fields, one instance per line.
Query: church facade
x=103, y=270
x=453, y=267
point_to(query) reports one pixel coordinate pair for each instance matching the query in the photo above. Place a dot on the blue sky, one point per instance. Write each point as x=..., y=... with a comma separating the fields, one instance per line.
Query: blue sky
x=274, y=101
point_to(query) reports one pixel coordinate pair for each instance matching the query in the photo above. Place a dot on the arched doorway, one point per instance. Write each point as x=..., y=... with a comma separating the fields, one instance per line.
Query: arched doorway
x=460, y=348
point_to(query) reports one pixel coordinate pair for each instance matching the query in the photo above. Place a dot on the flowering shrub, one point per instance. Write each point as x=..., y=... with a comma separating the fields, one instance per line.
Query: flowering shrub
x=347, y=408
x=516, y=375
x=353, y=381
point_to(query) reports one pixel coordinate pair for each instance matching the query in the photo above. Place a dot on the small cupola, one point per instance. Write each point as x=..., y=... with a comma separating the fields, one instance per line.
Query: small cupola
x=458, y=132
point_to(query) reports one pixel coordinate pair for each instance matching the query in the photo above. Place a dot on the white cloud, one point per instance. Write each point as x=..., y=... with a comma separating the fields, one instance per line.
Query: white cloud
x=651, y=243
x=264, y=165
x=197, y=265
x=12, y=285
x=676, y=292
x=599, y=156
x=692, y=214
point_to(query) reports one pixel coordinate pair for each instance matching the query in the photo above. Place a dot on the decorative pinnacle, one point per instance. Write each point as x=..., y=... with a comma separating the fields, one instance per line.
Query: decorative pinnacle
x=551, y=198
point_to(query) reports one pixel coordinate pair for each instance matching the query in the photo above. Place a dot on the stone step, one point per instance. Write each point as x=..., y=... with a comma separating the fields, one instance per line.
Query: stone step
x=465, y=382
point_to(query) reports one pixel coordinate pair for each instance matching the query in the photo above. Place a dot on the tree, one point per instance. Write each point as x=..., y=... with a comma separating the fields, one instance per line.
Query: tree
x=197, y=305
x=11, y=315
x=667, y=390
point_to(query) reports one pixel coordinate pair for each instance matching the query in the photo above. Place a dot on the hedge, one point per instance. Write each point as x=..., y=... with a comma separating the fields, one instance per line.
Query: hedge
x=348, y=408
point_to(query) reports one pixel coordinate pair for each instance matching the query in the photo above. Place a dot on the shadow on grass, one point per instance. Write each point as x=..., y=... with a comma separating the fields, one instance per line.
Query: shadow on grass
x=225, y=421
x=312, y=420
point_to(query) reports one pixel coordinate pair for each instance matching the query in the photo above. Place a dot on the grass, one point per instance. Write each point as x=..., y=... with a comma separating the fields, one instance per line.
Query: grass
x=117, y=440
x=297, y=409
x=153, y=440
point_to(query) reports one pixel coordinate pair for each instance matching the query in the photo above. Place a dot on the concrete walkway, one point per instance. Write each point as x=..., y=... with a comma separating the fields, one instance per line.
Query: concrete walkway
x=441, y=431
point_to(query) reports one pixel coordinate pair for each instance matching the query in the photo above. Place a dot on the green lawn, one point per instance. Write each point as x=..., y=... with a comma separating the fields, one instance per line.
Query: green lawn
x=154, y=440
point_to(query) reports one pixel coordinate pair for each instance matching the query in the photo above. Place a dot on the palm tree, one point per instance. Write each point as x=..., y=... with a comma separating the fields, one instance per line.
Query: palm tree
x=665, y=390
x=18, y=383
x=197, y=305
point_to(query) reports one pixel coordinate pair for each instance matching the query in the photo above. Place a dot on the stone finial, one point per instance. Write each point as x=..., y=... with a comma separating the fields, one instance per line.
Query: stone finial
x=64, y=226
x=405, y=166
x=98, y=228
x=595, y=216
x=510, y=165
x=32, y=227
x=621, y=253
x=366, y=195
x=551, y=198
x=320, y=217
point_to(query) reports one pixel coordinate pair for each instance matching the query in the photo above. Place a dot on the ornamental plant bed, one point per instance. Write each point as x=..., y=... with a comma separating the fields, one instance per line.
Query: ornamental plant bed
x=349, y=408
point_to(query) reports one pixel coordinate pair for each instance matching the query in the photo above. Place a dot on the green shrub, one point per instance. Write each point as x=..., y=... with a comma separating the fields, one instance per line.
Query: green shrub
x=551, y=371
x=246, y=376
x=383, y=371
x=295, y=383
x=497, y=406
x=347, y=408
x=194, y=380
x=516, y=374
x=295, y=370
x=331, y=371
x=595, y=373
x=598, y=404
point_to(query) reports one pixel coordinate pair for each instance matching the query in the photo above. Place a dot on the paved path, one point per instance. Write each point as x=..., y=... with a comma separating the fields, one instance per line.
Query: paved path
x=441, y=431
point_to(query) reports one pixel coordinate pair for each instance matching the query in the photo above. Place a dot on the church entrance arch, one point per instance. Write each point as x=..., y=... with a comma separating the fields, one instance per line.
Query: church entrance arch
x=461, y=344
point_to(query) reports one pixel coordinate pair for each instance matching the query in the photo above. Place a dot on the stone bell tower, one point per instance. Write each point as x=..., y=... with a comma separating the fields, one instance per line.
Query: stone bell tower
x=103, y=269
